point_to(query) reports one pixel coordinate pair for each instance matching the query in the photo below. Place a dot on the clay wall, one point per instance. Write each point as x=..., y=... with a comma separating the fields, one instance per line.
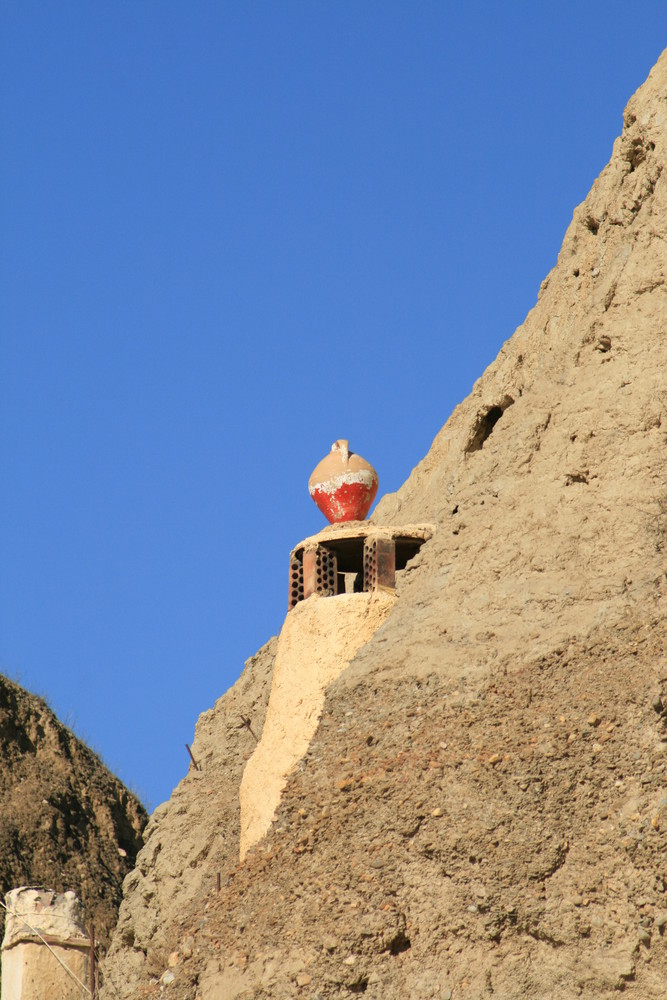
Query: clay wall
x=45, y=951
x=317, y=642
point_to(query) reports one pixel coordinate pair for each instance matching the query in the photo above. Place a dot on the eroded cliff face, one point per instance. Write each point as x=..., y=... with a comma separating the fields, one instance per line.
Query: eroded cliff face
x=65, y=821
x=549, y=516
x=194, y=836
x=482, y=808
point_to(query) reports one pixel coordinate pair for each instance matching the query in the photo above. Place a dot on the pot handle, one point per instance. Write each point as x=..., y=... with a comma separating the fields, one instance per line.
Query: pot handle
x=342, y=446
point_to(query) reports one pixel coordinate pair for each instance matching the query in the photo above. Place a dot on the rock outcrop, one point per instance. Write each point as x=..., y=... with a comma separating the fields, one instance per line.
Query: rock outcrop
x=482, y=808
x=65, y=821
x=192, y=838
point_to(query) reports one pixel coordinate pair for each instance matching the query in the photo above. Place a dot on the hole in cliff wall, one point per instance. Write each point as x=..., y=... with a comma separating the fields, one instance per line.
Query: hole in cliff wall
x=635, y=152
x=592, y=224
x=400, y=943
x=486, y=421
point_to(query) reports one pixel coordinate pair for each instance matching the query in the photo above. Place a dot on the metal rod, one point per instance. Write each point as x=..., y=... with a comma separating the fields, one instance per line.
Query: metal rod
x=246, y=723
x=91, y=970
x=197, y=767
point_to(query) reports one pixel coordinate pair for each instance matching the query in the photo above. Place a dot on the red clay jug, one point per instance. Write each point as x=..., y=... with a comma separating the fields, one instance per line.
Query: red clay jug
x=343, y=485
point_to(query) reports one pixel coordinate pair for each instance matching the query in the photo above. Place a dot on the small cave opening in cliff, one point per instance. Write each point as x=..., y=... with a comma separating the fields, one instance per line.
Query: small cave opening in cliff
x=484, y=424
x=400, y=943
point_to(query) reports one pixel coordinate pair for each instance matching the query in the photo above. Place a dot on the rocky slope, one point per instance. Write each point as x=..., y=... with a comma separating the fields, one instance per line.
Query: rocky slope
x=65, y=821
x=194, y=836
x=483, y=808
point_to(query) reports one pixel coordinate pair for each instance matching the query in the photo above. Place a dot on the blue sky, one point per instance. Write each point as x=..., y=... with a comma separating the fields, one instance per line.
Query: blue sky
x=231, y=233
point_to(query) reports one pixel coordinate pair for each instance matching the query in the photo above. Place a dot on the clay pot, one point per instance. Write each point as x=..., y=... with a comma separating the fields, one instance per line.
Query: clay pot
x=343, y=485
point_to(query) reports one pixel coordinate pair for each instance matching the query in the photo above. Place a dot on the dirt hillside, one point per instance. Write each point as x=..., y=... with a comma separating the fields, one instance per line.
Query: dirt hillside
x=65, y=821
x=483, y=807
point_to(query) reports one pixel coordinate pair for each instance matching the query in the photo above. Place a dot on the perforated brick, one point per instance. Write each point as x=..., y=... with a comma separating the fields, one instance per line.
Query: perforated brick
x=320, y=572
x=295, y=582
x=379, y=564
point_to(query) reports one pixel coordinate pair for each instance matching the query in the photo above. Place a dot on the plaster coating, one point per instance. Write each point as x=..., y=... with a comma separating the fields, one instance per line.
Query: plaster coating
x=45, y=950
x=317, y=642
